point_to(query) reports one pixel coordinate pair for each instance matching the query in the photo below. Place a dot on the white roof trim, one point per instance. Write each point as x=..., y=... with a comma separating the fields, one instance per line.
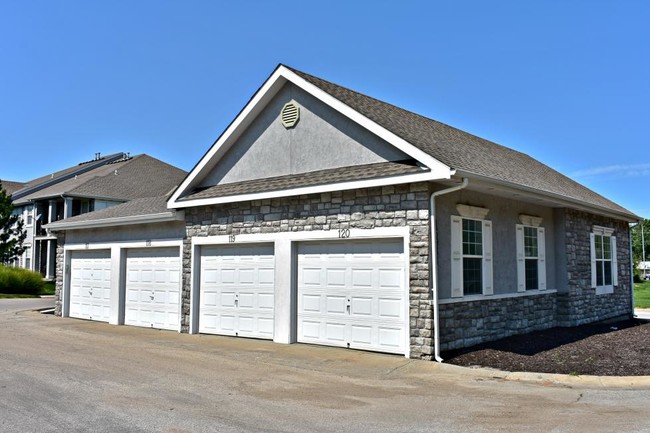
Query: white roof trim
x=257, y=103
x=117, y=221
x=368, y=183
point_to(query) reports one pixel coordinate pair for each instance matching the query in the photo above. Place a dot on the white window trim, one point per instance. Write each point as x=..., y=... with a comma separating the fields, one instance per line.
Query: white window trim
x=521, y=259
x=457, y=290
x=605, y=232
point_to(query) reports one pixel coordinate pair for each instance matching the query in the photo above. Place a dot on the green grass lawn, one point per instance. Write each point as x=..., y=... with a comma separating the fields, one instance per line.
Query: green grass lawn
x=642, y=295
x=48, y=289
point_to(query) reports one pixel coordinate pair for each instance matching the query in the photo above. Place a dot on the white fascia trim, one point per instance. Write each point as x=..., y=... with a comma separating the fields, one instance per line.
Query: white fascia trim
x=356, y=184
x=144, y=243
x=272, y=85
x=557, y=198
x=478, y=298
x=119, y=221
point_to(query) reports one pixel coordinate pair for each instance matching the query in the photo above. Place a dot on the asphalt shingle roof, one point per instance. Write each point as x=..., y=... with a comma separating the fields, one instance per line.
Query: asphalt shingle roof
x=334, y=175
x=133, y=208
x=463, y=151
x=10, y=186
x=126, y=179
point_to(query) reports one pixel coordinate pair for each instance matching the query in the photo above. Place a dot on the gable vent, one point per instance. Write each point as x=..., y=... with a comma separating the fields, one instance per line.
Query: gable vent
x=290, y=115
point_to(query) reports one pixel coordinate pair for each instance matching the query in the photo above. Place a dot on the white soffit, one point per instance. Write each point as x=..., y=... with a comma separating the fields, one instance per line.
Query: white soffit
x=257, y=103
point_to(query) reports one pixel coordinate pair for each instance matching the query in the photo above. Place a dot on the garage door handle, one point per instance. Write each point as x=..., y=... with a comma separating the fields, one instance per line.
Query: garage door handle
x=348, y=308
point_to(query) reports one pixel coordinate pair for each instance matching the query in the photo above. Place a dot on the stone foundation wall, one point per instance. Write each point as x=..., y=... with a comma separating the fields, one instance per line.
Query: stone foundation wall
x=580, y=304
x=368, y=208
x=464, y=324
x=58, y=280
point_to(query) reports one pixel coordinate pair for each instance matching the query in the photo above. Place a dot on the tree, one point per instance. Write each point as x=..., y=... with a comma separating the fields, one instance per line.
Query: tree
x=641, y=235
x=12, y=233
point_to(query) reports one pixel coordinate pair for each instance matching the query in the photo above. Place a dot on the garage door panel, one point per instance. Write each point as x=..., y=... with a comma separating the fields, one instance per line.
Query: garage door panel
x=361, y=306
x=242, y=277
x=391, y=308
x=90, y=285
x=336, y=304
x=390, y=278
x=352, y=293
x=361, y=334
x=335, y=331
x=153, y=288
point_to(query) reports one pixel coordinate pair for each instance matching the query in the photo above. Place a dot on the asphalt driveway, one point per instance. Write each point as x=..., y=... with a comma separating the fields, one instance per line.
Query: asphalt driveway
x=73, y=375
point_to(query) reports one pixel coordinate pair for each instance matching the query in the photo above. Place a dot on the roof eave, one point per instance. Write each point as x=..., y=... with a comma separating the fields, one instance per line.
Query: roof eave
x=162, y=217
x=555, y=198
x=329, y=187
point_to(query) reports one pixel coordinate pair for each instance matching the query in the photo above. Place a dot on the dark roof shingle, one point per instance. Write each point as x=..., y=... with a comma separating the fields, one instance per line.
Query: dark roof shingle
x=333, y=175
x=463, y=151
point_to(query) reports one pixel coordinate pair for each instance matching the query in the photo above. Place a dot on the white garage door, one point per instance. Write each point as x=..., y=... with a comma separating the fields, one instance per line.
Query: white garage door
x=352, y=294
x=153, y=278
x=90, y=285
x=236, y=290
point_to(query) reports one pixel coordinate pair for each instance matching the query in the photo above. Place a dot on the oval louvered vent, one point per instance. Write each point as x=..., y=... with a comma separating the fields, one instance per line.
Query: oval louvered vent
x=290, y=115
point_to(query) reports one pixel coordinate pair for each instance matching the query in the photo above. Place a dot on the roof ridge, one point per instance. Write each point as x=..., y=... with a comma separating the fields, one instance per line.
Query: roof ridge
x=461, y=150
x=404, y=110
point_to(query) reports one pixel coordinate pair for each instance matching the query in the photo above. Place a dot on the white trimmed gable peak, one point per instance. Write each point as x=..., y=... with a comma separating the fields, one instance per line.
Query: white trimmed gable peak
x=329, y=135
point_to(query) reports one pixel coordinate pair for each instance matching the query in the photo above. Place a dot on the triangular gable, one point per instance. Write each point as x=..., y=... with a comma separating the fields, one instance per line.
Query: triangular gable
x=207, y=172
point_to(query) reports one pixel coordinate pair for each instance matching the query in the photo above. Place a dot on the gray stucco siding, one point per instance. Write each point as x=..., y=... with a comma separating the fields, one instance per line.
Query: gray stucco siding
x=504, y=215
x=322, y=139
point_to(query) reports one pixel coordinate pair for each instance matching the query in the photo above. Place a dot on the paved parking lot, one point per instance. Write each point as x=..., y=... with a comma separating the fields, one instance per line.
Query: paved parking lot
x=72, y=375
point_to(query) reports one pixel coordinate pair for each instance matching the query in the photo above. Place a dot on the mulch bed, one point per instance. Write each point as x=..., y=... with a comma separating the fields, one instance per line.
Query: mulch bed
x=613, y=349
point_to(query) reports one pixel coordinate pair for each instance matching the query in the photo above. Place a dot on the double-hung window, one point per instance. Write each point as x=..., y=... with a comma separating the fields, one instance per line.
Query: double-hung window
x=531, y=260
x=604, y=275
x=471, y=261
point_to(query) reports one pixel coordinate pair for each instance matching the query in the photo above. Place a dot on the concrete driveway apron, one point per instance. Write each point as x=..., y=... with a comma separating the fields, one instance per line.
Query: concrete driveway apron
x=74, y=375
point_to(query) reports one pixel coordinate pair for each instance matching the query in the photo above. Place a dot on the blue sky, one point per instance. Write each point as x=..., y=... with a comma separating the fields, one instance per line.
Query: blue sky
x=567, y=82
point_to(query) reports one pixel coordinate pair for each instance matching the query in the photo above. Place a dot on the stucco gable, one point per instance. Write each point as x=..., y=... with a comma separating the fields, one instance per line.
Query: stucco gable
x=321, y=139
x=330, y=135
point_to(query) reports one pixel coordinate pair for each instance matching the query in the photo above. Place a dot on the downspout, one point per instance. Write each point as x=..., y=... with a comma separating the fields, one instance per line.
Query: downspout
x=632, y=268
x=433, y=265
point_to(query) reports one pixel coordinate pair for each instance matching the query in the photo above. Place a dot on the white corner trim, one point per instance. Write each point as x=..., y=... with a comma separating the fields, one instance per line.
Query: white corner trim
x=530, y=221
x=603, y=231
x=474, y=212
x=330, y=187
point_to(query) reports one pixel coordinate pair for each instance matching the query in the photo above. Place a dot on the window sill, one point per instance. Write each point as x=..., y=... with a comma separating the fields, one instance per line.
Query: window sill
x=604, y=290
x=475, y=298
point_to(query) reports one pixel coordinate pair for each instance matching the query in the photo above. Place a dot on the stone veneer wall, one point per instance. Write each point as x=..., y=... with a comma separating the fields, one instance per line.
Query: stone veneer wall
x=464, y=324
x=58, y=280
x=580, y=304
x=368, y=208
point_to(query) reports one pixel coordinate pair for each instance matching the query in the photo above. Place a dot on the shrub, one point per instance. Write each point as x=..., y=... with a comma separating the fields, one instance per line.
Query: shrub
x=20, y=281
